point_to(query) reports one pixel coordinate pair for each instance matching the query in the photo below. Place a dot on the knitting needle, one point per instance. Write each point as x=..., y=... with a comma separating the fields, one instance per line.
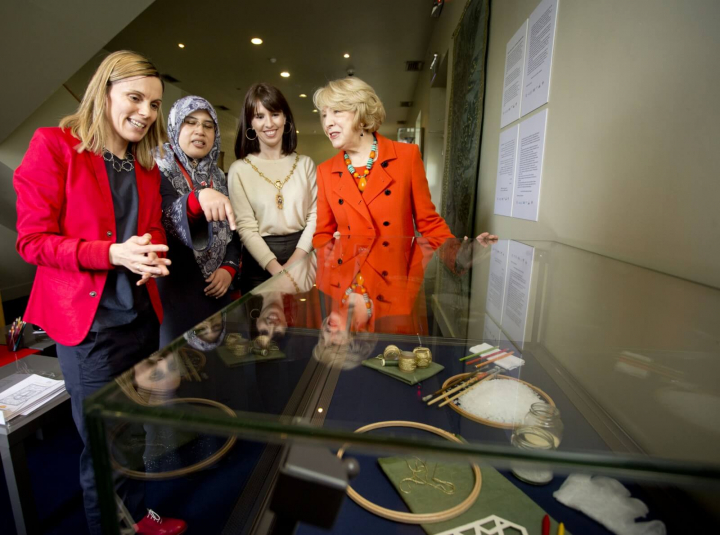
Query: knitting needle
x=499, y=357
x=480, y=353
x=459, y=387
x=450, y=385
x=490, y=375
x=486, y=356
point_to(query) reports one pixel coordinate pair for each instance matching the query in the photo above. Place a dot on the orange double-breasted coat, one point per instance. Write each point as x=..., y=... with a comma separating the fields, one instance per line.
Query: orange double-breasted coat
x=395, y=202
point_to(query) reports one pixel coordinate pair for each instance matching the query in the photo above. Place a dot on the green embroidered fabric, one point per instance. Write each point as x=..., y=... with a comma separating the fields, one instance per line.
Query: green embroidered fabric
x=498, y=496
x=420, y=374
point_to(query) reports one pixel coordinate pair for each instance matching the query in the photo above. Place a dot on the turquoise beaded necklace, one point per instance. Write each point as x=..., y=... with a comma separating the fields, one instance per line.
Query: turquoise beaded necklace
x=362, y=183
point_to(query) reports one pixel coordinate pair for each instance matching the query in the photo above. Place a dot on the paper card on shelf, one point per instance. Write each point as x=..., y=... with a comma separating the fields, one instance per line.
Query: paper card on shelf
x=517, y=291
x=538, y=55
x=496, y=279
x=506, y=171
x=513, y=82
x=531, y=149
x=27, y=395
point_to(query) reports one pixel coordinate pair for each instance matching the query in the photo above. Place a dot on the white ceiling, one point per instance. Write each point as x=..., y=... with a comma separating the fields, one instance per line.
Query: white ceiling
x=43, y=43
x=306, y=37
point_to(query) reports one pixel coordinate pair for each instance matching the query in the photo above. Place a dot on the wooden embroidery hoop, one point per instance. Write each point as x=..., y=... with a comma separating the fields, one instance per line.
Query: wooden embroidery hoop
x=493, y=423
x=413, y=518
x=126, y=385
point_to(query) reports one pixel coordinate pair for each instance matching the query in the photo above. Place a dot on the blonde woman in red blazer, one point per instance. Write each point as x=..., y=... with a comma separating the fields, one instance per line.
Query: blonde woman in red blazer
x=89, y=208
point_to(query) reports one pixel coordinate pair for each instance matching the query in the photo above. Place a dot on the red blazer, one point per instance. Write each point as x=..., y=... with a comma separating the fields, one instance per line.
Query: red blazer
x=66, y=224
x=397, y=195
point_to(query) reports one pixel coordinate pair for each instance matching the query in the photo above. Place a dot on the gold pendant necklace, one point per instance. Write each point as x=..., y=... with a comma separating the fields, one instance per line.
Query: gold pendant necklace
x=279, y=200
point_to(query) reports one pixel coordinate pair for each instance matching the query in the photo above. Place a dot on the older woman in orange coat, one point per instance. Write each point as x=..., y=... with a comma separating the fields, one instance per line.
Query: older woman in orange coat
x=373, y=186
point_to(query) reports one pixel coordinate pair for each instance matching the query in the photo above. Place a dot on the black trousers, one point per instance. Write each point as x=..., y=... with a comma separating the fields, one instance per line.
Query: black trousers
x=90, y=365
x=252, y=274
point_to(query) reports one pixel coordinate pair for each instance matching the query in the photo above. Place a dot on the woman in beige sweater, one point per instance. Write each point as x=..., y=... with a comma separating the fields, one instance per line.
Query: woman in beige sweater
x=272, y=188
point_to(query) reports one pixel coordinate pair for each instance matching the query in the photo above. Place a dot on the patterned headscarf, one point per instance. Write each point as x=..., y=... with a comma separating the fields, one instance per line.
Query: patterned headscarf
x=205, y=173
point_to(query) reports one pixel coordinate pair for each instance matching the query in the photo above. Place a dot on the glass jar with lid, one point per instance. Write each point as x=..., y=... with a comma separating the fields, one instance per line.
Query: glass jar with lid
x=541, y=430
x=546, y=417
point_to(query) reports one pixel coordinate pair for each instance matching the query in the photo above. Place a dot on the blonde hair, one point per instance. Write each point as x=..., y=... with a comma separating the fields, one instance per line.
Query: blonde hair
x=352, y=94
x=89, y=122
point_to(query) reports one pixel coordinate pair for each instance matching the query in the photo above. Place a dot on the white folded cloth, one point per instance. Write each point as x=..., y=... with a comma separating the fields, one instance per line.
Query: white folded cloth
x=606, y=500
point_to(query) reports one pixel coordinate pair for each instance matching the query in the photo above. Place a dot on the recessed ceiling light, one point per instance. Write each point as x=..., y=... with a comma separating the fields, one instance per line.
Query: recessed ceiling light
x=303, y=95
x=314, y=111
x=346, y=56
x=285, y=74
x=181, y=45
x=256, y=41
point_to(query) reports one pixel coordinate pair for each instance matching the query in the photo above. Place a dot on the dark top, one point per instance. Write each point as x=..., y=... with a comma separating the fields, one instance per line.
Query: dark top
x=182, y=293
x=122, y=300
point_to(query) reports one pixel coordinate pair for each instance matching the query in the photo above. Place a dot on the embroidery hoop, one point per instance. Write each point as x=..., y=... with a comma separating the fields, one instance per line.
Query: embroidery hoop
x=128, y=389
x=415, y=518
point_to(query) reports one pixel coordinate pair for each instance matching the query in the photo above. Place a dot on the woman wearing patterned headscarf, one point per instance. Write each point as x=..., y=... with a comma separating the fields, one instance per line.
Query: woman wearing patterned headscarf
x=197, y=217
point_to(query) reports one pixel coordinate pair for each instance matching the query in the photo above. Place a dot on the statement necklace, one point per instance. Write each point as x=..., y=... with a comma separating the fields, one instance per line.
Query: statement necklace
x=127, y=165
x=358, y=286
x=278, y=198
x=362, y=183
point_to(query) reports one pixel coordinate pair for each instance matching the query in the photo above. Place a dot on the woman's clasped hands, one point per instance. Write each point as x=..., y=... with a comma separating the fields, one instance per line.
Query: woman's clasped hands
x=139, y=255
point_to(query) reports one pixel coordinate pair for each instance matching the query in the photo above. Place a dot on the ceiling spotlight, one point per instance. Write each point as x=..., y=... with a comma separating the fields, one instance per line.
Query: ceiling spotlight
x=314, y=111
x=181, y=45
x=285, y=74
x=303, y=95
x=256, y=41
x=346, y=56
x=297, y=132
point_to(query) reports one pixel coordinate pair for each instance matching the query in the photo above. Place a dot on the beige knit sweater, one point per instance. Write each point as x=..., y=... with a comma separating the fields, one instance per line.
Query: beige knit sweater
x=256, y=211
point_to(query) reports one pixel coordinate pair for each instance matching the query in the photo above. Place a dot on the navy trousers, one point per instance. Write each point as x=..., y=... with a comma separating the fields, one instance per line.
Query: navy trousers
x=90, y=365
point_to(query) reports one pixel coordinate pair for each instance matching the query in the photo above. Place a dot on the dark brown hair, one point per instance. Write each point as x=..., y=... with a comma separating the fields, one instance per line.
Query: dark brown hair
x=274, y=101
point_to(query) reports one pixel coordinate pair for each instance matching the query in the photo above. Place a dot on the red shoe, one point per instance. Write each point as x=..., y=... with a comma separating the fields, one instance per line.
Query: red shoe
x=154, y=524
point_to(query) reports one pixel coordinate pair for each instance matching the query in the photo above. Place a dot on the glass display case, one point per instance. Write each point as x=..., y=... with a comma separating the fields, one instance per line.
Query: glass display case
x=418, y=363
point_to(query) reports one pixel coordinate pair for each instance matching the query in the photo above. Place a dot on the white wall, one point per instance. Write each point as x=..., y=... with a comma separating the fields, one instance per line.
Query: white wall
x=631, y=159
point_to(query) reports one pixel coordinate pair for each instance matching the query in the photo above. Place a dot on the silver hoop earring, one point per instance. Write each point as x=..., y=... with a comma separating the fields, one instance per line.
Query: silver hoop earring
x=291, y=127
x=248, y=137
